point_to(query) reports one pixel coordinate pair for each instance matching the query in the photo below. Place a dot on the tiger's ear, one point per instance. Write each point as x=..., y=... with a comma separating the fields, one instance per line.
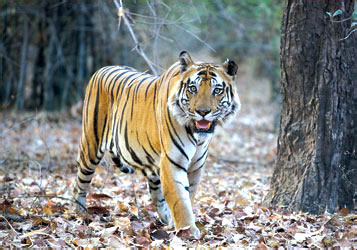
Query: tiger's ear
x=185, y=61
x=231, y=67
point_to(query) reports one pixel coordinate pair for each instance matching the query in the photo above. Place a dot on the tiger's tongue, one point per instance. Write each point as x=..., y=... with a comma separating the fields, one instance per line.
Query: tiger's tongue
x=203, y=124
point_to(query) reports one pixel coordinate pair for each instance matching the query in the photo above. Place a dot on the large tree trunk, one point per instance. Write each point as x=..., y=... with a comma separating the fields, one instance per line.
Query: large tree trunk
x=316, y=167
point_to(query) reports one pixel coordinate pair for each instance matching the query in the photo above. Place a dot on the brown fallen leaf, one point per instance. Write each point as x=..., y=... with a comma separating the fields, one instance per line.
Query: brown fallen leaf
x=99, y=196
x=98, y=210
x=143, y=241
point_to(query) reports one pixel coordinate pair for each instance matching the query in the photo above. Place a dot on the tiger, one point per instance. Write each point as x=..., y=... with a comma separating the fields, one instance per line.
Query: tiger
x=159, y=126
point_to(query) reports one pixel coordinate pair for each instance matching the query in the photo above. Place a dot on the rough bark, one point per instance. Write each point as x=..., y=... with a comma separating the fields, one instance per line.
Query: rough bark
x=316, y=167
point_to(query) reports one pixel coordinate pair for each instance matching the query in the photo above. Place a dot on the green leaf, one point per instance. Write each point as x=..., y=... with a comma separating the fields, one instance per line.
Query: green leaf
x=353, y=24
x=328, y=13
x=338, y=12
x=354, y=15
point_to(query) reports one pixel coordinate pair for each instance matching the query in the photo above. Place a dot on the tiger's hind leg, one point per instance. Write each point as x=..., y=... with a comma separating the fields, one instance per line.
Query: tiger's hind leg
x=86, y=169
x=158, y=199
x=120, y=165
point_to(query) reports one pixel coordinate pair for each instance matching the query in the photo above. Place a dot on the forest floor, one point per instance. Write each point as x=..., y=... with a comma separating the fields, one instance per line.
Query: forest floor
x=37, y=169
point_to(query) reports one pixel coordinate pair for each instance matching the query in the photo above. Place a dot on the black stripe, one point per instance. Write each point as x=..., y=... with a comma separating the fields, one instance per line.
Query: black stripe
x=123, y=110
x=152, y=148
x=175, y=164
x=117, y=161
x=83, y=181
x=175, y=142
x=197, y=168
x=165, y=75
x=108, y=128
x=202, y=156
x=154, y=99
x=134, y=157
x=93, y=162
x=92, y=82
x=139, y=84
x=157, y=182
x=83, y=159
x=173, y=127
x=154, y=188
x=148, y=156
x=95, y=120
x=122, y=82
x=144, y=172
x=190, y=136
x=147, y=87
x=114, y=79
x=104, y=127
x=87, y=172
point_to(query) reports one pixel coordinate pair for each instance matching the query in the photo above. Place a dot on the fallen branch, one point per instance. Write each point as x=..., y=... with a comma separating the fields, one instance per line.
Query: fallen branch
x=121, y=14
x=1, y=216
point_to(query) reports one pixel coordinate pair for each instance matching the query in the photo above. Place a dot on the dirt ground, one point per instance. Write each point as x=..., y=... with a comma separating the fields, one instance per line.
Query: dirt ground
x=37, y=168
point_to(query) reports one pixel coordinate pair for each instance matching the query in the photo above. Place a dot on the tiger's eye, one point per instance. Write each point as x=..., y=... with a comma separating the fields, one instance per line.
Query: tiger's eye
x=217, y=91
x=192, y=89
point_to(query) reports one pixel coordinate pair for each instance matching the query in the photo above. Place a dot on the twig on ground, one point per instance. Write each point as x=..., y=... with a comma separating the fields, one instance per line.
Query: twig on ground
x=13, y=229
x=54, y=196
x=211, y=183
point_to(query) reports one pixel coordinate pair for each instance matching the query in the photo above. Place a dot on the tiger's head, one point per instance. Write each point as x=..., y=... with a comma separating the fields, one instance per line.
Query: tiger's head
x=205, y=95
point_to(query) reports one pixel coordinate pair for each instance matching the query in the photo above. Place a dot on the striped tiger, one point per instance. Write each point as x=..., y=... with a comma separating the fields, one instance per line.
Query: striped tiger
x=158, y=126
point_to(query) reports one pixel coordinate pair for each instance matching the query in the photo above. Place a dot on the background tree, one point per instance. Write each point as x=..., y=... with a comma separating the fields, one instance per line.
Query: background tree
x=316, y=168
x=49, y=49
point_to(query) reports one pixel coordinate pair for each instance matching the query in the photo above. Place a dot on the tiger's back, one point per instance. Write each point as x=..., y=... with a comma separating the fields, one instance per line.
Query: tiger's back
x=159, y=126
x=118, y=103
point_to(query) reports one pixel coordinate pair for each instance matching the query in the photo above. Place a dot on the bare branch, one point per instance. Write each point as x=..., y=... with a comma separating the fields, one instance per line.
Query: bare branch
x=341, y=21
x=121, y=14
x=197, y=37
x=348, y=35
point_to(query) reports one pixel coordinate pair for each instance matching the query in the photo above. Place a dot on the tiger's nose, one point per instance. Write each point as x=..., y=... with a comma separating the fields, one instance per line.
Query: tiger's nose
x=203, y=112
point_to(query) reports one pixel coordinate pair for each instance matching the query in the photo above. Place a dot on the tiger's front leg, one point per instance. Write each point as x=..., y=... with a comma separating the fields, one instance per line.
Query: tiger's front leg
x=175, y=188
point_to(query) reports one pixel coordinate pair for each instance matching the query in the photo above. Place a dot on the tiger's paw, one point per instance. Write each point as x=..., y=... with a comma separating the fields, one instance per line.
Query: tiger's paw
x=195, y=232
x=165, y=214
x=189, y=232
x=78, y=203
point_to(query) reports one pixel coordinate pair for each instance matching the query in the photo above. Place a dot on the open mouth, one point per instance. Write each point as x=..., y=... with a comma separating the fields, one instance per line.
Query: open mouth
x=204, y=126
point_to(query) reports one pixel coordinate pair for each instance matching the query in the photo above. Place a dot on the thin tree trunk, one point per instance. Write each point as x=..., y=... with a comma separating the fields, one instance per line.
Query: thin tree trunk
x=40, y=63
x=49, y=71
x=23, y=67
x=316, y=168
x=82, y=57
x=3, y=52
